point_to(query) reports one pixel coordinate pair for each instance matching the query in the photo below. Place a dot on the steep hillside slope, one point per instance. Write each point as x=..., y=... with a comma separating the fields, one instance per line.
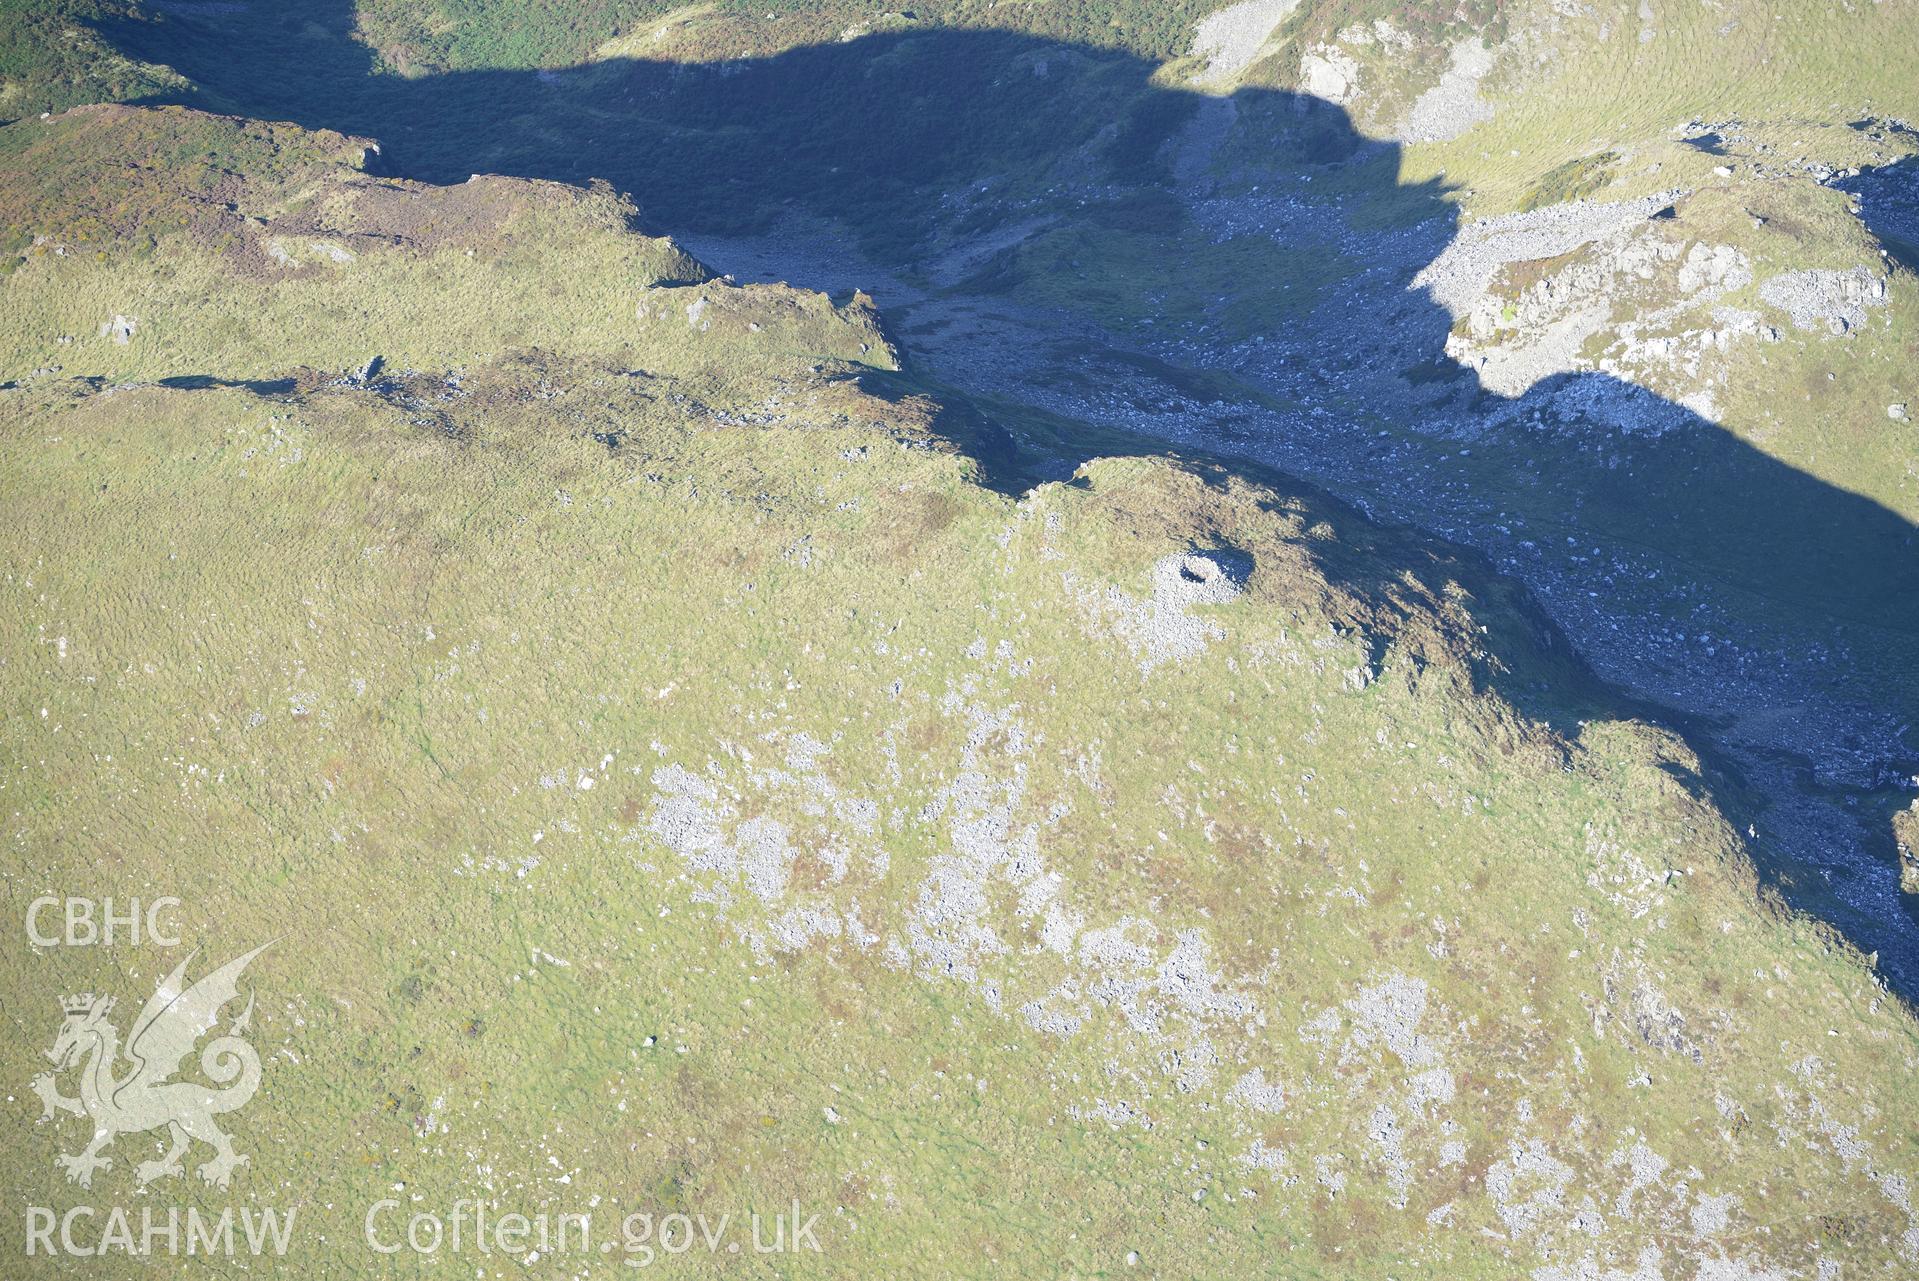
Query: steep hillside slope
x=53, y=56
x=674, y=783
x=213, y=245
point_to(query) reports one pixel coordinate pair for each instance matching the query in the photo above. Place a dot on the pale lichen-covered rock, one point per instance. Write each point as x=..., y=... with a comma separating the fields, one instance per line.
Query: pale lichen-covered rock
x=1231, y=39
x=1452, y=106
x=1821, y=296
x=1329, y=72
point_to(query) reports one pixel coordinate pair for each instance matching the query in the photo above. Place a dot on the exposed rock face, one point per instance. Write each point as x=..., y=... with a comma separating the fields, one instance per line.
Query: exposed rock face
x=1593, y=287
x=1547, y=328
x=1329, y=72
x=1620, y=289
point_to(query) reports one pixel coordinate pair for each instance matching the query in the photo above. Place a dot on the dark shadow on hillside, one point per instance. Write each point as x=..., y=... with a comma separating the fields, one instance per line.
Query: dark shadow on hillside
x=258, y=386
x=907, y=140
x=1889, y=203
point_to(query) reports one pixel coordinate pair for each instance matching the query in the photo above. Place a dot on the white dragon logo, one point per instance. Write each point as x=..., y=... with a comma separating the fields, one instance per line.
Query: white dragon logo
x=145, y=1098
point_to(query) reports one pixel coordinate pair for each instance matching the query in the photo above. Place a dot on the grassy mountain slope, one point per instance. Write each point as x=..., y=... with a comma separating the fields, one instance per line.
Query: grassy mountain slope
x=675, y=783
x=250, y=248
x=439, y=35
x=1563, y=84
x=52, y=57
